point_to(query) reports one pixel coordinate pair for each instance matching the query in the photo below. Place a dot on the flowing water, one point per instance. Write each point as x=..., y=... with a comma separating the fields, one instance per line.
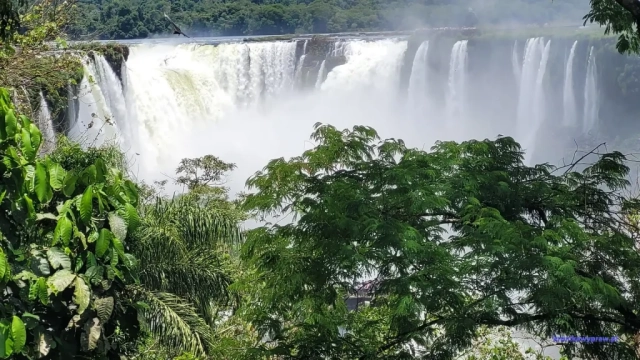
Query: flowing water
x=591, y=100
x=245, y=103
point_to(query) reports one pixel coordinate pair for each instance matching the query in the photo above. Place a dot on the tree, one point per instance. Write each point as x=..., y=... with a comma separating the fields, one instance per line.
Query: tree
x=184, y=273
x=619, y=17
x=63, y=264
x=9, y=18
x=457, y=238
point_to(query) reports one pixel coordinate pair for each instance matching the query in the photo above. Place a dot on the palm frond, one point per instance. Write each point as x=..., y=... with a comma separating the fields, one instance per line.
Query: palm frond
x=197, y=276
x=173, y=321
x=190, y=221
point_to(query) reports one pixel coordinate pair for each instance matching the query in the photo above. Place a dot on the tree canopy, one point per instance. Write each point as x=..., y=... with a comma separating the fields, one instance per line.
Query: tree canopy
x=462, y=236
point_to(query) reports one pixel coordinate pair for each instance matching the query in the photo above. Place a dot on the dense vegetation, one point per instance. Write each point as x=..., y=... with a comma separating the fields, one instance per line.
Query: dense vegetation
x=125, y=19
x=462, y=243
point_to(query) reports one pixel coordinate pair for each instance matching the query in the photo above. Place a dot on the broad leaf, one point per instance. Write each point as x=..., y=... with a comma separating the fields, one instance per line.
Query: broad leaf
x=56, y=176
x=91, y=335
x=18, y=334
x=36, y=137
x=60, y=280
x=118, y=226
x=81, y=294
x=27, y=148
x=86, y=205
x=63, y=231
x=103, y=242
x=41, y=184
x=58, y=259
x=69, y=185
x=11, y=123
x=104, y=308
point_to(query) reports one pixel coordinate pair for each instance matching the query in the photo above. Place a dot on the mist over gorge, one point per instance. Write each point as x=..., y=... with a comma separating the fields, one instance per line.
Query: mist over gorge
x=174, y=100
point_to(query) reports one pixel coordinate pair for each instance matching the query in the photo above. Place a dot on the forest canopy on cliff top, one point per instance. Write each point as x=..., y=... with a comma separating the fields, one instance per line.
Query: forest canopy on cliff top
x=128, y=19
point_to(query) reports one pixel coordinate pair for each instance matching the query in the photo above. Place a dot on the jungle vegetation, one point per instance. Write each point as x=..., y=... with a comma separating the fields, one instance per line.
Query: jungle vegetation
x=462, y=243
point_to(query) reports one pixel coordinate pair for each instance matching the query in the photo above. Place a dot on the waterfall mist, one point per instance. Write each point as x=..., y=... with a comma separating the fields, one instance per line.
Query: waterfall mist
x=251, y=102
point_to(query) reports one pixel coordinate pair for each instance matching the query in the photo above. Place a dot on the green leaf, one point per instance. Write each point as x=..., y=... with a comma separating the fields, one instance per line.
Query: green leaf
x=27, y=149
x=56, y=176
x=88, y=176
x=103, y=242
x=101, y=170
x=36, y=137
x=41, y=185
x=118, y=226
x=117, y=245
x=30, y=320
x=42, y=291
x=58, y=259
x=4, y=266
x=63, y=231
x=28, y=205
x=40, y=266
x=81, y=294
x=11, y=123
x=90, y=335
x=104, y=308
x=131, y=217
x=86, y=205
x=18, y=334
x=69, y=185
x=60, y=280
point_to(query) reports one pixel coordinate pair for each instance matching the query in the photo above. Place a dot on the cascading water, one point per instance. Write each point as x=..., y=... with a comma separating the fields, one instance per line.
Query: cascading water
x=515, y=63
x=321, y=74
x=95, y=123
x=531, y=111
x=45, y=124
x=301, y=61
x=417, y=92
x=591, y=105
x=457, y=84
x=568, y=97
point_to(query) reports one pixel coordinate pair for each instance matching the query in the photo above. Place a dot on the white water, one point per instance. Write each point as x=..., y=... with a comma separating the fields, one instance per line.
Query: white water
x=515, y=63
x=417, y=92
x=531, y=101
x=591, y=105
x=95, y=123
x=456, y=96
x=45, y=124
x=568, y=97
x=321, y=74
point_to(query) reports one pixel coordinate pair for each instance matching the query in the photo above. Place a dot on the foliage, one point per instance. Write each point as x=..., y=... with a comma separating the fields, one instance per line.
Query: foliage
x=498, y=344
x=63, y=249
x=120, y=19
x=616, y=20
x=9, y=18
x=460, y=237
x=185, y=271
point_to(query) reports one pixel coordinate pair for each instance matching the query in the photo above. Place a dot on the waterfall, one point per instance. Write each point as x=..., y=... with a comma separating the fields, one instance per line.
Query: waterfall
x=417, y=93
x=113, y=93
x=456, y=95
x=321, y=74
x=568, y=98
x=531, y=111
x=95, y=123
x=515, y=63
x=301, y=61
x=45, y=124
x=591, y=105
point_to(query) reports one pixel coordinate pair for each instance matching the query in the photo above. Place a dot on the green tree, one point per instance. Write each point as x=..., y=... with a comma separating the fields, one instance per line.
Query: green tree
x=184, y=271
x=457, y=238
x=63, y=264
x=618, y=17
